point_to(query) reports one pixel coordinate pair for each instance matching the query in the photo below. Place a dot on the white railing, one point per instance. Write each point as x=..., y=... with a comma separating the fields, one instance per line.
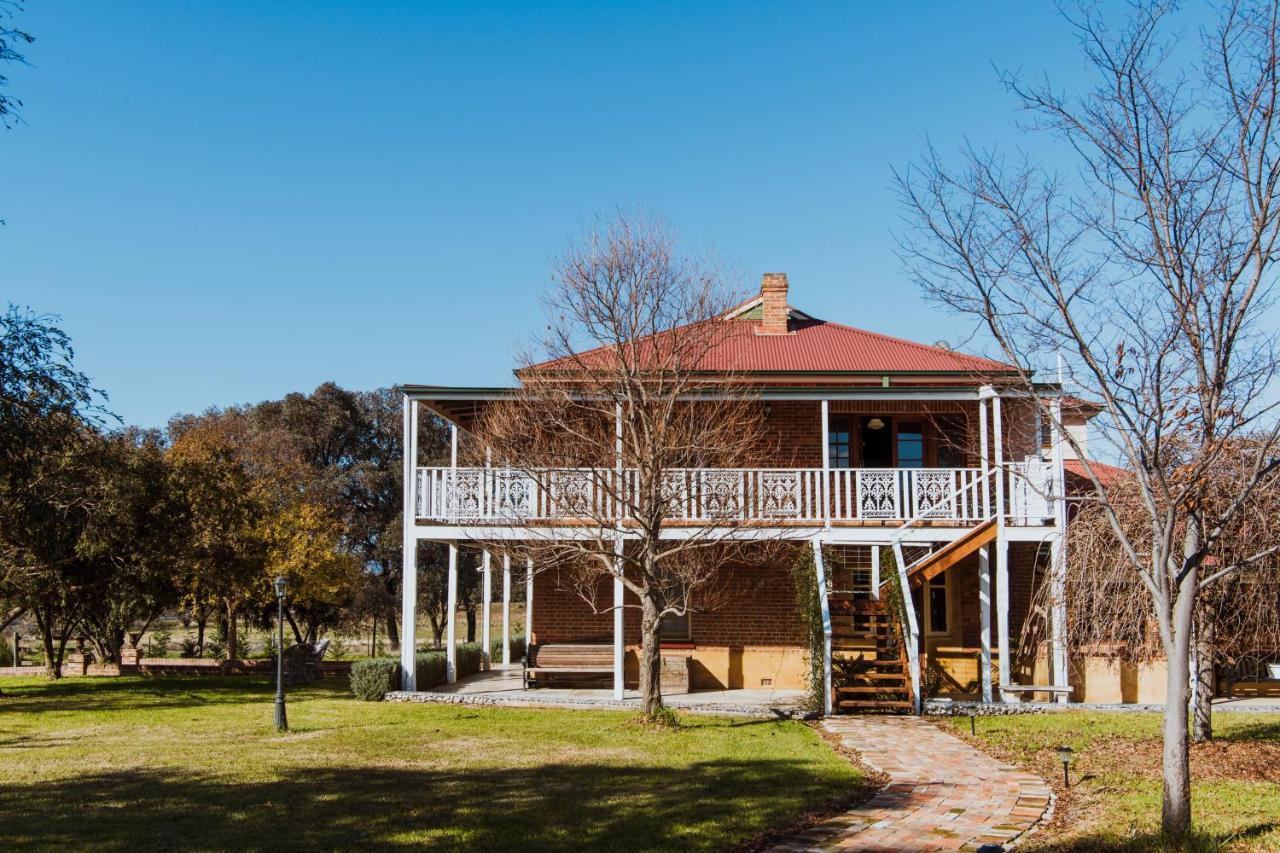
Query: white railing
x=958, y=495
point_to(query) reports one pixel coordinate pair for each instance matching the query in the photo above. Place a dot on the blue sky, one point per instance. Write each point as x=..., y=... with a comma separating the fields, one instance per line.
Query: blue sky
x=227, y=202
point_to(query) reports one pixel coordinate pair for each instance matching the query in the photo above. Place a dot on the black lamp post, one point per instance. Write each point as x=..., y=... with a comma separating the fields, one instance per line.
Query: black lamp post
x=282, y=722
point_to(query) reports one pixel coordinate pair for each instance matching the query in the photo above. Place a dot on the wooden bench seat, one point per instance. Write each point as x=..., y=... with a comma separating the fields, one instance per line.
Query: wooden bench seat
x=544, y=661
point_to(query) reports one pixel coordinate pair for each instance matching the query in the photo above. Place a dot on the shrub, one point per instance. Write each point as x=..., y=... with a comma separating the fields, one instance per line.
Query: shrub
x=189, y=647
x=158, y=644
x=6, y=653
x=429, y=667
x=517, y=649
x=374, y=678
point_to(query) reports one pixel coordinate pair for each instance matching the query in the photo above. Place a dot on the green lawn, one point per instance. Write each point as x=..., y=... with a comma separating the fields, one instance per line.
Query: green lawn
x=147, y=763
x=1114, y=801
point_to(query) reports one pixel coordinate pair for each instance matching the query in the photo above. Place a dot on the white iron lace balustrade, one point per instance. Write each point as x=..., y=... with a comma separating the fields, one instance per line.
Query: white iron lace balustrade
x=879, y=493
x=732, y=495
x=778, y=494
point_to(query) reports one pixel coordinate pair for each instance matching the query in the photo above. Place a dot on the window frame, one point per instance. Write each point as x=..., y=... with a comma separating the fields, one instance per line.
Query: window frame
x=927, y=604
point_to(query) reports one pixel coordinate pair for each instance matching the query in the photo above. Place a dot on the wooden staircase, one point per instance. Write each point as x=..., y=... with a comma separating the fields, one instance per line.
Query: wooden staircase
x=936, y=562
x=868, y=658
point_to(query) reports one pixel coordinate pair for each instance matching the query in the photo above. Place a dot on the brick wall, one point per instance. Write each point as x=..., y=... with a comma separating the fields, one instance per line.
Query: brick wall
x=752, y=606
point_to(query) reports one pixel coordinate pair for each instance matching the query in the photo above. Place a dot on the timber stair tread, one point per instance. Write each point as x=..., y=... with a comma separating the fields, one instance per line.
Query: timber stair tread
x=874, y=704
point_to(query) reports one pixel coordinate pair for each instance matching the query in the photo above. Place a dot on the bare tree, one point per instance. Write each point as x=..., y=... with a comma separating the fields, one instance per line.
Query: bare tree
x=623, y=407
x=1236, y=616
x=1151, y=272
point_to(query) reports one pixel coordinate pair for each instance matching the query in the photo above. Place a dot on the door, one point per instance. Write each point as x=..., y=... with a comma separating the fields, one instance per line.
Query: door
x=876, y=436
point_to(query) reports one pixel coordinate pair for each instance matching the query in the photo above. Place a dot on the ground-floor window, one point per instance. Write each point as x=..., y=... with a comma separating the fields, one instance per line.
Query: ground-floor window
x=938, y=604
x=675, y=628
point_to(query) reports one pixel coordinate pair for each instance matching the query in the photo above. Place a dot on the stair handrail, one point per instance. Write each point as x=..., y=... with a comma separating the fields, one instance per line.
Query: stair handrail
x=908, y=617
x=908, y=614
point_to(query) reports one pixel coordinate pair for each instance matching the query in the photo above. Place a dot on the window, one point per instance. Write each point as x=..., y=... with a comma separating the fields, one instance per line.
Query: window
x=839, y=441
x=911, y=445
x=937, y=617
x=675, y=628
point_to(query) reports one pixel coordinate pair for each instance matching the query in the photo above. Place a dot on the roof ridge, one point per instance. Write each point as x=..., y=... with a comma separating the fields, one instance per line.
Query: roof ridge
x=911, y=343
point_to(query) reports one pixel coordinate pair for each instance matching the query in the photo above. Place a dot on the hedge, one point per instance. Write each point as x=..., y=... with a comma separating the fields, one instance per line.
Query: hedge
x=374, y=678
x=517, y=648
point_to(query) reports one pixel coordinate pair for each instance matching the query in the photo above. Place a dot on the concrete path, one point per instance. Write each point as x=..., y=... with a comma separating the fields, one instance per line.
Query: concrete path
x=942, y=794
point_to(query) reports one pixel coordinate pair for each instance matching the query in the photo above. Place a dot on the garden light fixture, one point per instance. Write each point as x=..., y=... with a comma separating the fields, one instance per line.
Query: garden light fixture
x=1066, y=755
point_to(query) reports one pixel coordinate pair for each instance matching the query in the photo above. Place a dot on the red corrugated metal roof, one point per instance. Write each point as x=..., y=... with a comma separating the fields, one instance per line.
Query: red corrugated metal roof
x=1106, y=474
x=817, y=346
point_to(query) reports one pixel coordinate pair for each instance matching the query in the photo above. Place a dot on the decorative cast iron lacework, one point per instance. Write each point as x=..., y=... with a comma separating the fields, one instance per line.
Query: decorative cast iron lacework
x=513, y=493
x=779, y=494
x=720, y=494
x=932, y=493
x=466, y=493
x=574, y=493
x=877, y=494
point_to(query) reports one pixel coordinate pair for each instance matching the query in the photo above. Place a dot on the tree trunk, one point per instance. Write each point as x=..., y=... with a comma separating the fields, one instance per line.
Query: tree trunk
x=233, y=635
x=297, y=635
x=650, y=656
x=201, y=621
x=52, y=663
x=1175, y=814
x=1204, y=687
x=393, y=630
x=471, y=624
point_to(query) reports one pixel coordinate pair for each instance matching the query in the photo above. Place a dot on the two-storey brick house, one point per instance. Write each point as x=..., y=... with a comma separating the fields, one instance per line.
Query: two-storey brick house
x=896, y=463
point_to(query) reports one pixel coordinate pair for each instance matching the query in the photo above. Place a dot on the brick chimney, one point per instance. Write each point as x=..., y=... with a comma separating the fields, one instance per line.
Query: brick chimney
x=774, y=290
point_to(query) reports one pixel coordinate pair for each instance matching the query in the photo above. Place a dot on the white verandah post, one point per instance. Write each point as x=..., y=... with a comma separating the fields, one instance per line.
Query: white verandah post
x=506, y=609
x=451, y=599
x=486, y=653
x=984, y=557
x=1002, y=552
x=821, y=571
x=619, y=651
x=409, y=544
x=528, y=605
x=1058, y=554
x=451, y=621
x=826, y=463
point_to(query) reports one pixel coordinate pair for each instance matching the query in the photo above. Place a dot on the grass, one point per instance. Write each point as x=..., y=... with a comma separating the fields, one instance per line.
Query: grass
x=161, y=763
x=1114, y=800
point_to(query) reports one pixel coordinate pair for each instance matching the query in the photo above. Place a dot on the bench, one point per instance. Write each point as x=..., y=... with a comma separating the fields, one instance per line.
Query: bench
x=544, y=661
x=1036, y=688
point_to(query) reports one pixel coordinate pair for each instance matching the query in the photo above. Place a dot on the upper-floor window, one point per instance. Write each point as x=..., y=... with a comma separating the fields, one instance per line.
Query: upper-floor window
x=840, y=441
x=911, y=445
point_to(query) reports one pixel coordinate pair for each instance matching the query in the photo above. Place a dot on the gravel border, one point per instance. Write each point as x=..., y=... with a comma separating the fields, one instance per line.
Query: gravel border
x=781, y=711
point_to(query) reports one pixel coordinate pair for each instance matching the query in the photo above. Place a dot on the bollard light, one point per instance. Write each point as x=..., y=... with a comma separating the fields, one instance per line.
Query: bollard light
x=973, y=724
x=282, y=722
x=1066, y=755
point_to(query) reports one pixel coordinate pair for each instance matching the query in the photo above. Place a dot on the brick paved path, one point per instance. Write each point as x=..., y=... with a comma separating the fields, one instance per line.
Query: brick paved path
x=942, y=794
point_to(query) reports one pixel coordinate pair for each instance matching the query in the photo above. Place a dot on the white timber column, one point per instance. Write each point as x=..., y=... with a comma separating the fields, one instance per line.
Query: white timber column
x=1002, y=553
x=984, y=555
x=409, y=557
x=619, y=635
x=506, y=609
x=984, y=633
x=1058, y=555
x=820, y=570
x=451, y=599
x=826, y=463
x=486, y=655
x=875, y=572
x=528, y=604
x=451, y=620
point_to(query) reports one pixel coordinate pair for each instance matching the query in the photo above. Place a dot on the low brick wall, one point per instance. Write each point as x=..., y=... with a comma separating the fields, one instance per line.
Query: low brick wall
x=180, y=666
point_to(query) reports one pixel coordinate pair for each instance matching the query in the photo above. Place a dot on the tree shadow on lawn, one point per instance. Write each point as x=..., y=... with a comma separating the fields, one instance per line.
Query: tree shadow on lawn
x=707, y=806
x=1148, y=841
x=1268, y=730
x=128, y=693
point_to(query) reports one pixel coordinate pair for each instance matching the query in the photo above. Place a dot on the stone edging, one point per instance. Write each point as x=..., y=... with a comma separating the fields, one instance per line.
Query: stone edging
x=584, y=703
